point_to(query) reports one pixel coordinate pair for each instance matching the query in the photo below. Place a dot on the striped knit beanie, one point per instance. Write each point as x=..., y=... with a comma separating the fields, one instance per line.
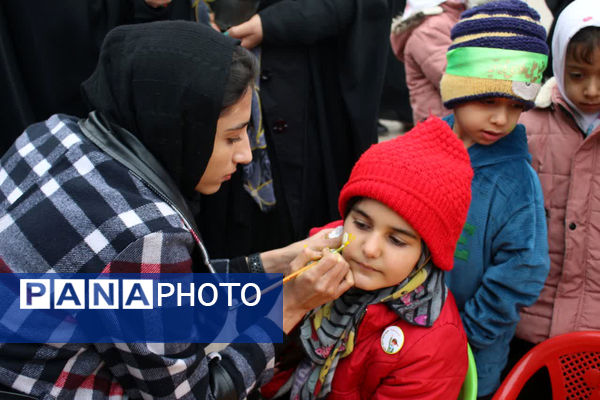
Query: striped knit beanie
x=498, y=50
x=425, y=176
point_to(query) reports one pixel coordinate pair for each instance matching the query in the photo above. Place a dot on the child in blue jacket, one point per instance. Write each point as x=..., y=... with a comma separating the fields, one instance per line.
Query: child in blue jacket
x=494, y=70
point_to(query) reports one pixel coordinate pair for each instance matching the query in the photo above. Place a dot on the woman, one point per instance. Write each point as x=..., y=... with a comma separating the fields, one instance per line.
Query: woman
x=322, y=72
x=109, y=194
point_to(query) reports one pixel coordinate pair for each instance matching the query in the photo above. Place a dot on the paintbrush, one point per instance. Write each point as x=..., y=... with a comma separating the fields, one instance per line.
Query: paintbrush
x=347, y=238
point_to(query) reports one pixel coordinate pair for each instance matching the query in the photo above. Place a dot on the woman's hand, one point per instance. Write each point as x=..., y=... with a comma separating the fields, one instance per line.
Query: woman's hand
x=249, y=32
x=279, y=260
x=158, y=3
x=213, y=24
x=327, y=280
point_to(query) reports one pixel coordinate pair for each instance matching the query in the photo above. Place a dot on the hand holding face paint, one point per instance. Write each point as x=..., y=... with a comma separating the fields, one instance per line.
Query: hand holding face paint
x=280, y=260
x=324, y=281
x=333, y=234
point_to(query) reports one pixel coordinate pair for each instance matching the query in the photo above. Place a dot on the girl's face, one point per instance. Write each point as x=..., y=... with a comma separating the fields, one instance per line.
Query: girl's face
x=231, y=146
x=385, y=248
x=582, y=82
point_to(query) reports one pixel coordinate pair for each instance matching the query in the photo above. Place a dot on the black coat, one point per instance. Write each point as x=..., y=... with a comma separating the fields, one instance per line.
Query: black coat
x=556, y=6
x=47, y=48
x=322, y=71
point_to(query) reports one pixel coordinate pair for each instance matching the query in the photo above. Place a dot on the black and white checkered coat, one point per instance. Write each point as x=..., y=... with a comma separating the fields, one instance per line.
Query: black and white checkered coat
x=66, y=206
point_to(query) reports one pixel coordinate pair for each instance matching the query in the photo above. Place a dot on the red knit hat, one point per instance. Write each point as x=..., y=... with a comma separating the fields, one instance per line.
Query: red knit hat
x=425, y=176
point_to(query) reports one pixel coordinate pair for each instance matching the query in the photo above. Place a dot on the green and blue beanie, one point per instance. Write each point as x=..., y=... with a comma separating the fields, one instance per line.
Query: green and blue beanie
x=498, y=50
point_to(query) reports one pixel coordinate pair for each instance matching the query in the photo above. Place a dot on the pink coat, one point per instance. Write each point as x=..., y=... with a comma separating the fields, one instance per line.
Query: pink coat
x=423, y=52
x=568, y=165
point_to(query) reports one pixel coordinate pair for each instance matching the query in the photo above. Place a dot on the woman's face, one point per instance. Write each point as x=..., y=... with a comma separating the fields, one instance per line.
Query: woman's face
x=231, y=146
x=385, y=248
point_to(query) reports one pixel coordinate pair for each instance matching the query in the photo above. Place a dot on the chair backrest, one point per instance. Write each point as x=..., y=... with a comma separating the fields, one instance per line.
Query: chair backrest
x=573, y=362
x=469, y=387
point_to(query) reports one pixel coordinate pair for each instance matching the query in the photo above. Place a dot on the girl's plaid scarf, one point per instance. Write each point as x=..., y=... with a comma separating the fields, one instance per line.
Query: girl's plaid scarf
x=328, y=332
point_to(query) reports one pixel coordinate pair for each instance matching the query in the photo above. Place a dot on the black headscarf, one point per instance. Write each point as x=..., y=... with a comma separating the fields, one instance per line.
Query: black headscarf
x=164, y=82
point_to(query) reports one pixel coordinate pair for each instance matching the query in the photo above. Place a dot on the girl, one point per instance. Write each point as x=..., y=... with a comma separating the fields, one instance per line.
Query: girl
x=397, y=333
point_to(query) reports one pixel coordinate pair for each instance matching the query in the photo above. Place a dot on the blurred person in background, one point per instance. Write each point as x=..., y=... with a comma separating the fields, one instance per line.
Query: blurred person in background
x=322, y=67
x=48, y=48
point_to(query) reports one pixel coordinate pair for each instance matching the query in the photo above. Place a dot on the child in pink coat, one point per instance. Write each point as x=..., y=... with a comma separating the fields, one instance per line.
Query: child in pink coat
x=420, y=38
x=564, y=140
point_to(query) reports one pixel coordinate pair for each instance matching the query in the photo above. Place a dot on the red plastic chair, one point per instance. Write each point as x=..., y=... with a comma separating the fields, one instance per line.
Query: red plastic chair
x=573, y=362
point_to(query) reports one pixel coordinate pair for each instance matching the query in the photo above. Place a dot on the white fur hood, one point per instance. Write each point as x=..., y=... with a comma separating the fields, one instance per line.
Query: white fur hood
x=544, y=96
x=417, y=13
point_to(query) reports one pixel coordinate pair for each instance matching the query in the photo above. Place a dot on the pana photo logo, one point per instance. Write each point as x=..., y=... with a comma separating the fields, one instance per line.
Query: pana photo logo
x=74, y=294
x=142, y=307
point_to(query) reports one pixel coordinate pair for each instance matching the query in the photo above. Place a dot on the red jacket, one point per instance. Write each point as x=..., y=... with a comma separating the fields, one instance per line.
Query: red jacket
x=431, y=364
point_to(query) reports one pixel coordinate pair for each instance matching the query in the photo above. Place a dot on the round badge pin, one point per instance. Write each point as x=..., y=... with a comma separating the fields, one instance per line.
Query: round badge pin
x=392, y=339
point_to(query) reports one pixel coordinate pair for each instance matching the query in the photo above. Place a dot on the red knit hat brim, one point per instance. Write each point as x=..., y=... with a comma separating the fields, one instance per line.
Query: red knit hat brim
x=425, y=177
x=413, y=210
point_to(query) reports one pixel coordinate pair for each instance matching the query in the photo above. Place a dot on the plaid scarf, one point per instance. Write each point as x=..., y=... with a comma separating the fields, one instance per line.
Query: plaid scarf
x=328, y=332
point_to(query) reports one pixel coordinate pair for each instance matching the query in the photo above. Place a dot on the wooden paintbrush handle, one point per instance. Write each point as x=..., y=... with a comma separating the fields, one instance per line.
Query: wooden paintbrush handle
x=296, y=273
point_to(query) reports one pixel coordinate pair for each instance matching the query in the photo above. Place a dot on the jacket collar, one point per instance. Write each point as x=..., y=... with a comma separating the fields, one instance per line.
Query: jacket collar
x=126, y=149
x=377, y=316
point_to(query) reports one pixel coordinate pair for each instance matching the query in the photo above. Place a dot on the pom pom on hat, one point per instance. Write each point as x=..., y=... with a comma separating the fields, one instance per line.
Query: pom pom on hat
x=498, y=50
x=424, y=176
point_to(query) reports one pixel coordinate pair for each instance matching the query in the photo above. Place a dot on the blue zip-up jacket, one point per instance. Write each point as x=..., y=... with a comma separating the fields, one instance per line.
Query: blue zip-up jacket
x=501, y=260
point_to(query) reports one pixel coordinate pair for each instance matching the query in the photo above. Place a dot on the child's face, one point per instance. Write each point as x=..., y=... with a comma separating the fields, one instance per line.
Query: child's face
x=582, y=82
x=385, y=248
x=486, y=121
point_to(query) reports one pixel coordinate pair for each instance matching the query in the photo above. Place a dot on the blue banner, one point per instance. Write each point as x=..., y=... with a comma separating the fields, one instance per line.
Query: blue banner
x=134, y=308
